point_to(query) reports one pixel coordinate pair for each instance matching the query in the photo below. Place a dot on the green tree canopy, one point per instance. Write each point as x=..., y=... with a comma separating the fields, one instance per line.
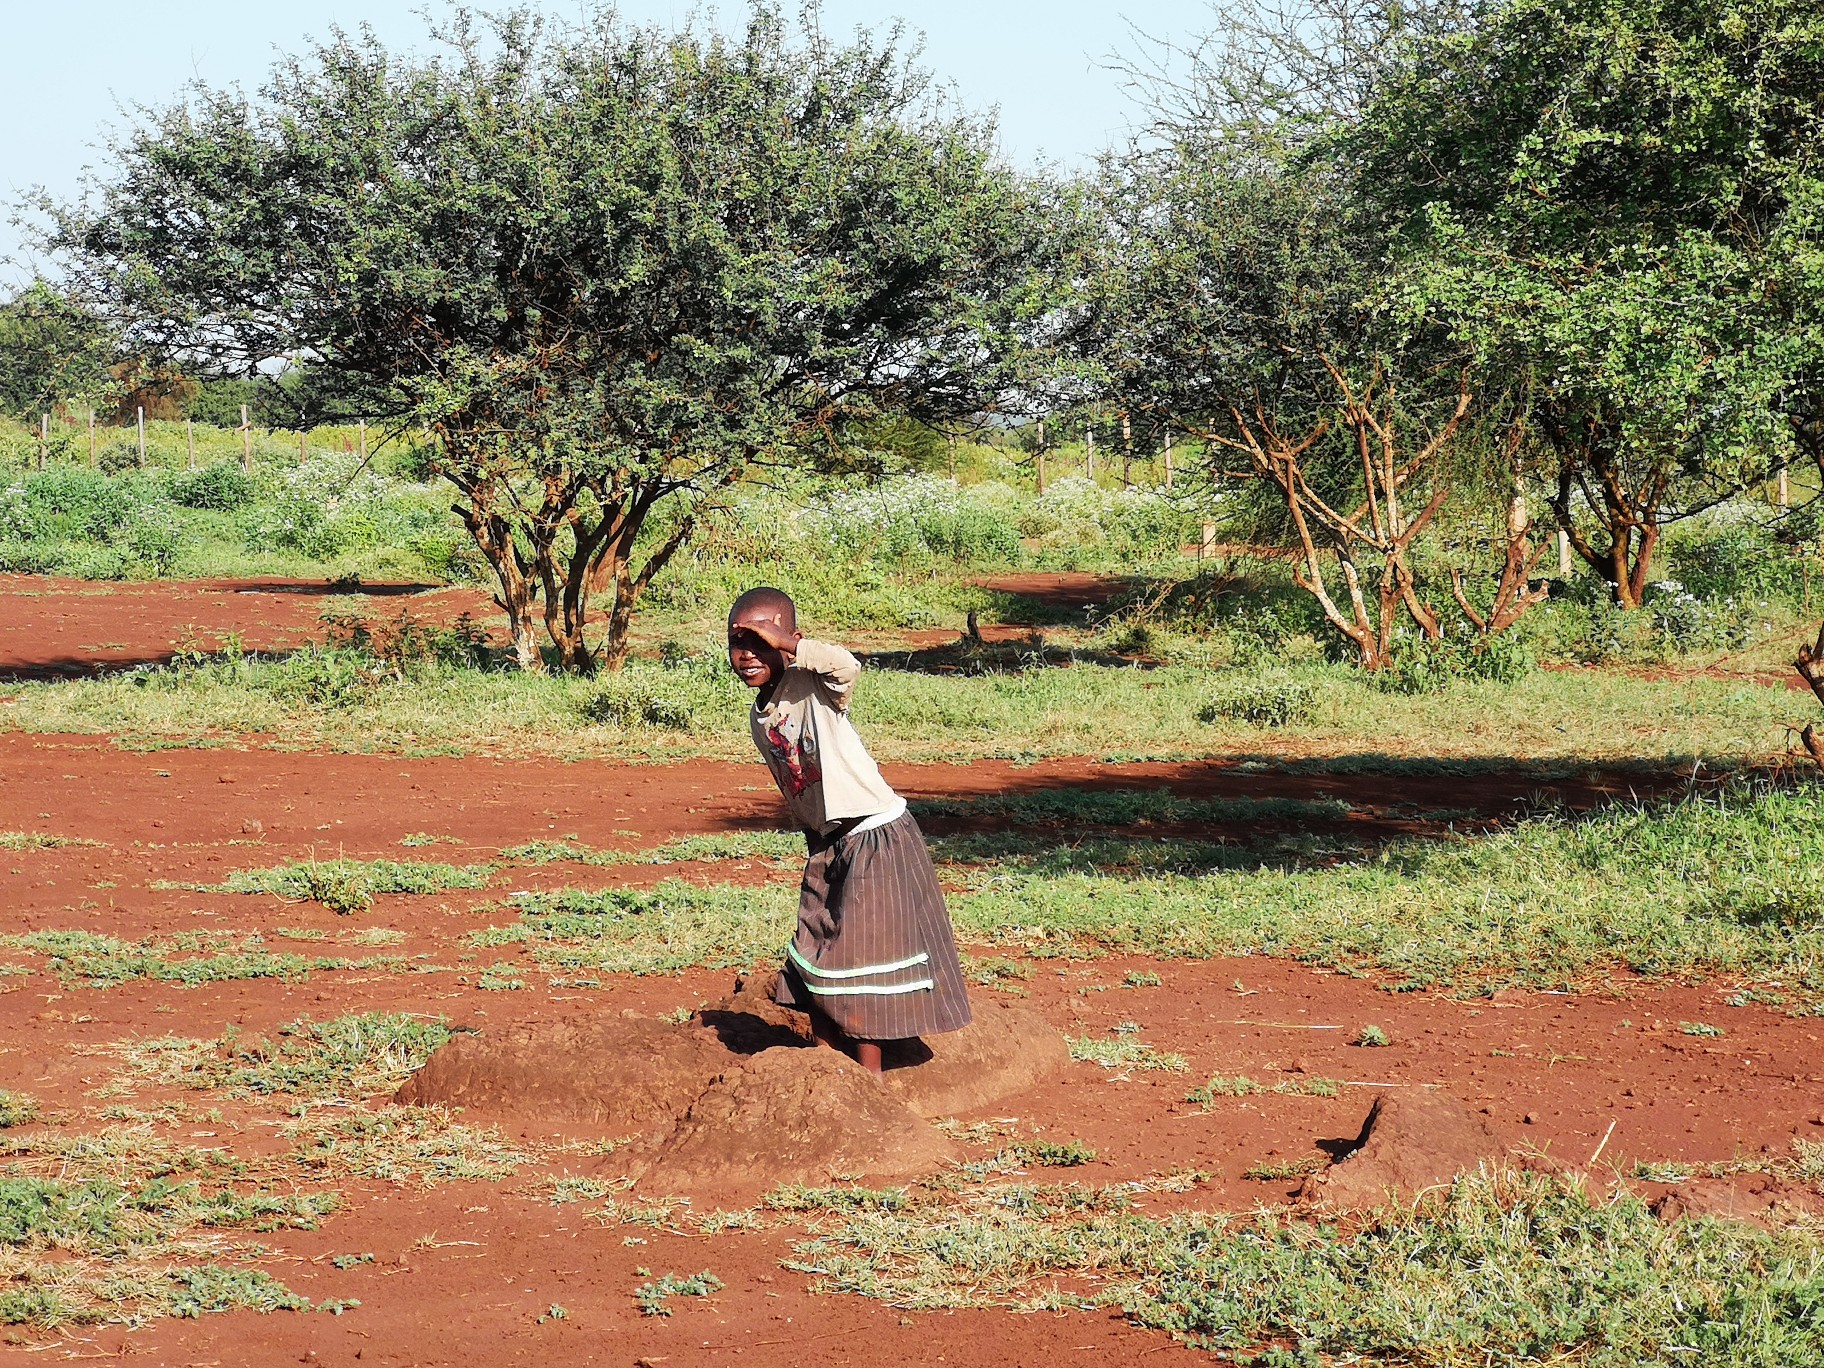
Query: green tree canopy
x=54, y=353
x=606, y=266
x=1617, y=205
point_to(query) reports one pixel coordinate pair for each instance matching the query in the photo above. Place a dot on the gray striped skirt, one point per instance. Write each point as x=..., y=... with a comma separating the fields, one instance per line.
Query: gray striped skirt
x=874, y=950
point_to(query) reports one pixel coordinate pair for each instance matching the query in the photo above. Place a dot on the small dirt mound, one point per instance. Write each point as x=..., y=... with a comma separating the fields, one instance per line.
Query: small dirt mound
x=1754, y=1197
x=1004, y=1051
x=625, y=1075
x=748, y=1021
x=738, y=1098
x=795, y=1116
x=1414, y=1140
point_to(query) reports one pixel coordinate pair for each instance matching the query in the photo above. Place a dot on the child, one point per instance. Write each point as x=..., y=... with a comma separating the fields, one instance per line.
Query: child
x=874, y=958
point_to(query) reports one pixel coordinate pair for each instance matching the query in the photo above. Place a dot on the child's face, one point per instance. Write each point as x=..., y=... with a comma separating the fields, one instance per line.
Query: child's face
x=755, y=661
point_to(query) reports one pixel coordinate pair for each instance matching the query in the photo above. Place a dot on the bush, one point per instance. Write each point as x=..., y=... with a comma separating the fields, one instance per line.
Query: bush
x=1261, y=702
x=222, y=487
x=152, y=538
x=1421, y=667
x=1731, y=553
x=120, y=454
x=624, y=702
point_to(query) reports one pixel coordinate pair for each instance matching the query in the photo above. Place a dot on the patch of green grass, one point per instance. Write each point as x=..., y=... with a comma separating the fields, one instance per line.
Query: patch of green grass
x=732, y=845
x=651, y=1297
x=424, y=838
x=1078, y=807
x=16, y=1108
x=1086, y=709
x=86, y=959
x=349, y=1056
x=398, y=1144
x=1124, y=1052
x=1718, y=883
x=1240, y=1085
x=795, y=1198
x=38, y=840
x=52, y=1293
x=98, y=1217
x=1507, y=1269
x=351, y=885
x=671, y=926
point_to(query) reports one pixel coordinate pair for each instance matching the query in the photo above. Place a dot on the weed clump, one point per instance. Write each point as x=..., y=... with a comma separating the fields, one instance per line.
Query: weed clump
x=16, y=1109
x=1261, y=702
x=346, y=886
x=651, y=1296
x=356, y=1055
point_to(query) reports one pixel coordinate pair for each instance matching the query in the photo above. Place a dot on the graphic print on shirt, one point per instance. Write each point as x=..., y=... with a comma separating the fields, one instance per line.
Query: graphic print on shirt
x=795, y=755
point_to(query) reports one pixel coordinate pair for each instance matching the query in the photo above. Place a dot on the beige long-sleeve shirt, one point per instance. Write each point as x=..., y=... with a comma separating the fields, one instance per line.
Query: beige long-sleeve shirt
x=805, y=736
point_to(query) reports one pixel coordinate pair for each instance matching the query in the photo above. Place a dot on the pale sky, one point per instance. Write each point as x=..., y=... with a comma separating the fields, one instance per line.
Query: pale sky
x=73, y=65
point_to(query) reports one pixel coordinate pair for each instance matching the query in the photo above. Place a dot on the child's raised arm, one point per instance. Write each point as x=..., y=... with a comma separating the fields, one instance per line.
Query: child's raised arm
x=835, y=667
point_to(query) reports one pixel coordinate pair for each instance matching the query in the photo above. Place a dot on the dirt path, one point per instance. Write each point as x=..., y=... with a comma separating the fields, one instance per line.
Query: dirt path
x=61, y=628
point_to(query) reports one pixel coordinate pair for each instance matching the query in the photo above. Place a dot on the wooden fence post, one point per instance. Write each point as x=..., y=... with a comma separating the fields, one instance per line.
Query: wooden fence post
x=363, y=423
x=44, y=437
x=1168, y=458
x=142, y=434
x=1564, y=555
x=302, y=458
x=91, y=434
x=1785, y=490
x=1127, y=452
x=246, y=443
x=1089, y=460
x=190, y=443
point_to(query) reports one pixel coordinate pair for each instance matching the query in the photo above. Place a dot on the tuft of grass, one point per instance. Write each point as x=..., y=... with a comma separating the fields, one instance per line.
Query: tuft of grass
x=400, y=1144
x=346, y=886
x=1124, y=1052
x=1240, y=1085
x=38, y=840
x=651, y=1297
x=1284, y=1171
x=1371, y=1037
x=1699, y=1028
x=16, y=1109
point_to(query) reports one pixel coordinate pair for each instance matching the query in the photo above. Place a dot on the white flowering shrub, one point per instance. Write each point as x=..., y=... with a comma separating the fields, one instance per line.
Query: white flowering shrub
x=914, y=517
x=331, y=504
x=1077, y=512
x=18, y=520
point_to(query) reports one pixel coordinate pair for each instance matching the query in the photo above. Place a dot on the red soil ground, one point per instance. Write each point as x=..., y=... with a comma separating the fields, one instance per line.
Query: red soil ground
x=463, y=1271
x=62, y=628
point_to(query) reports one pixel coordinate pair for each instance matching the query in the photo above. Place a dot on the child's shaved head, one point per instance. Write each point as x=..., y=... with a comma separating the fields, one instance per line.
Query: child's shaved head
x=767, y=602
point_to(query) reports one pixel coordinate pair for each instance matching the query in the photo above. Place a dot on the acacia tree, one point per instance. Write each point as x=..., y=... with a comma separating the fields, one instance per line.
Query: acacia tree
x=1236, y=298
x=1615, y=205
x=54, y=353
x=608, y=267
